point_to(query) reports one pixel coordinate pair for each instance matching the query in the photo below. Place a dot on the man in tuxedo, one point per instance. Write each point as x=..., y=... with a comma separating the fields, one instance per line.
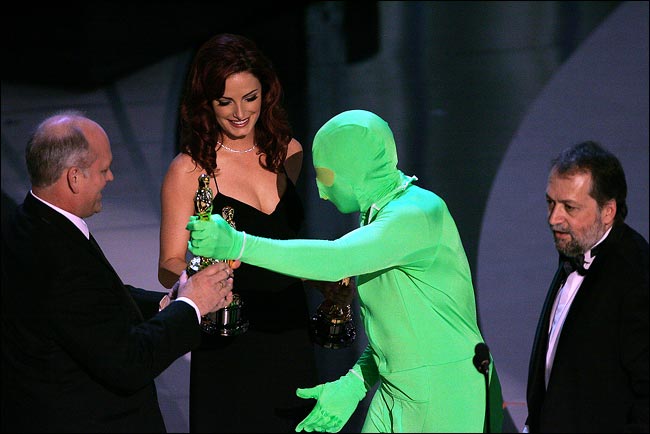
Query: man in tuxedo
x=589, y=365
x=77, y=353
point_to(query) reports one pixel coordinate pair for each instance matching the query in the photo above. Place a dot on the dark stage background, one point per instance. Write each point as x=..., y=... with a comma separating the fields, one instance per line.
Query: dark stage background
x=480, y=96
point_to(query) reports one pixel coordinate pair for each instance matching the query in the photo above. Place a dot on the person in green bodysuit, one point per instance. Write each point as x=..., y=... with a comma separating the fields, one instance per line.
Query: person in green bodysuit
x=413, y=280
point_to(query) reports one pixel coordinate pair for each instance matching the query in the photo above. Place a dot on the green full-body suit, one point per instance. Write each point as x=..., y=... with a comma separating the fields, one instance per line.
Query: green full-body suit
x=414, y=285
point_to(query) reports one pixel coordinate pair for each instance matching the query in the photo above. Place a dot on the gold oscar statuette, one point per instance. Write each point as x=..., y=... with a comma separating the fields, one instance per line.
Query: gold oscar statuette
x=229, y=321
x=332, y=326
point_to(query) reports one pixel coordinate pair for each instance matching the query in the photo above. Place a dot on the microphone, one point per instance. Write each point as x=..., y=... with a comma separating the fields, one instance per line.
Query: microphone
x=481, y=357
x=481, y=361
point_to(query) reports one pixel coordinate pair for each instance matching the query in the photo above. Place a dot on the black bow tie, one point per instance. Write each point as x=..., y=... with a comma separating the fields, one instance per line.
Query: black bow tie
x=574, y=263
x=577, y=263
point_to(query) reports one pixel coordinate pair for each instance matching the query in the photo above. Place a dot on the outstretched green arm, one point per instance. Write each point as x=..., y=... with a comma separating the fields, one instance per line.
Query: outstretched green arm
x=367, y=249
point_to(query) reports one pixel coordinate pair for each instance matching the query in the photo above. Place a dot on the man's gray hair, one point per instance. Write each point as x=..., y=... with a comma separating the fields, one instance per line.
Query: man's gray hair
x=57, y=144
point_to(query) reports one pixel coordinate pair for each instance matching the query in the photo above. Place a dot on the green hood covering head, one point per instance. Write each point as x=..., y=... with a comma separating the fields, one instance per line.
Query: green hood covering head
x=355, y=159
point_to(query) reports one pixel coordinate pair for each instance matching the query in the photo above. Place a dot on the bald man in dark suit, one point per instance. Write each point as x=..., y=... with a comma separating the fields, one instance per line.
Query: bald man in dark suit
x=78, y=354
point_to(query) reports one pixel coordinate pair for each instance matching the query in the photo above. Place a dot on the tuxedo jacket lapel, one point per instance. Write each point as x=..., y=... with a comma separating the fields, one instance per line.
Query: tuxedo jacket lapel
x=98, y=251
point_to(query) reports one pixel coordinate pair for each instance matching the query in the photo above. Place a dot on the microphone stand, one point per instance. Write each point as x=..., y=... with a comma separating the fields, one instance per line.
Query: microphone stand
x=487, y=400
x=482, y=363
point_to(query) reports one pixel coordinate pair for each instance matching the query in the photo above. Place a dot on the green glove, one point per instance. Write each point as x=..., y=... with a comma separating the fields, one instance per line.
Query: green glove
x=337, y=400
x=215, y=238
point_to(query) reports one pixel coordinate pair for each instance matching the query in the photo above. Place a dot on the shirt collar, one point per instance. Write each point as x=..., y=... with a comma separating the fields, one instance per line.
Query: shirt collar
x=76, y=220
x=588, y=254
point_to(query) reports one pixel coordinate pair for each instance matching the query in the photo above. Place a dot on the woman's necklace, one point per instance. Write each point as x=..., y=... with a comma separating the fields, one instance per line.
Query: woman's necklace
x=236, y=151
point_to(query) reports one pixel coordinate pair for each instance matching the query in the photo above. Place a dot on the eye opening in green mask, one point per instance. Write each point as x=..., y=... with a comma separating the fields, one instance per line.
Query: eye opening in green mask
x=325, y=176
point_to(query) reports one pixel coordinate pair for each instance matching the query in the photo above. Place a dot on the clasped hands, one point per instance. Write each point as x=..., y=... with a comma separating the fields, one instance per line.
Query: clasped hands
x=209, y=289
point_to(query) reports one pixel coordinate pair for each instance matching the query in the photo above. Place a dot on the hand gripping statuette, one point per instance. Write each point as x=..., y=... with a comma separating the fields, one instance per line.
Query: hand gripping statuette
x=230, y=320
x=332, y=326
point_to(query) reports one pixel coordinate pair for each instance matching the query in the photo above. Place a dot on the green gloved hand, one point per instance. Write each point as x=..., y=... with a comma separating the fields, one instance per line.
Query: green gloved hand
x=337, y=400
x=214, y=238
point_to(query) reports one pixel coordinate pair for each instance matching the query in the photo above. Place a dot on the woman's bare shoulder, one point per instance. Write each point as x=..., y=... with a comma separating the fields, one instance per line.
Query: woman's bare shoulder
x=183, y=172
x=183, y=161
x=293, y=147
x=184, y=166
x=293, y=162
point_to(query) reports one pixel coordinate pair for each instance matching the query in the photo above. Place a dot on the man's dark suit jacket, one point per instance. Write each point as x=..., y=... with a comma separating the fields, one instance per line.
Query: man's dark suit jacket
x=77, y=355
x=599, y=380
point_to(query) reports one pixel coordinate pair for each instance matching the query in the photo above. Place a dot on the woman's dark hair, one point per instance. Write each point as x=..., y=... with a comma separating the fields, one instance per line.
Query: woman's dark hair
x=608, y=177
x=217, y=59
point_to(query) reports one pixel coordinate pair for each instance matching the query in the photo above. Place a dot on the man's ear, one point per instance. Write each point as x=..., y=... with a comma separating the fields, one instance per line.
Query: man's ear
x=74, y=179
x=608, y=212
